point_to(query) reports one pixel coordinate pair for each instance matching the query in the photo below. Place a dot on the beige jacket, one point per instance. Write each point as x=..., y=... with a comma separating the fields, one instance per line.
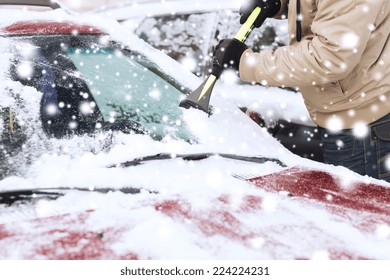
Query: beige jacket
x=342, y=63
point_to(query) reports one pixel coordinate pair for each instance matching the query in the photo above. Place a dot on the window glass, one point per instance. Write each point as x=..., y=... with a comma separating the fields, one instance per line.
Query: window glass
x=125, y=89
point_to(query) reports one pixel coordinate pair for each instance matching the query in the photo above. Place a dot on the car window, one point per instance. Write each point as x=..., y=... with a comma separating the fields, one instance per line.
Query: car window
x=88, y=85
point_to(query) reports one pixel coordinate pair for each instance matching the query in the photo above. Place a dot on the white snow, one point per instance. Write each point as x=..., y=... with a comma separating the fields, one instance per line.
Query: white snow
x=83, y=161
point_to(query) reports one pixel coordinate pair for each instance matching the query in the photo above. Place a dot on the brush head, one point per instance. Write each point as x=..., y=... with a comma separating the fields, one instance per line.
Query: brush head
x=187, y=104
x=200, y=98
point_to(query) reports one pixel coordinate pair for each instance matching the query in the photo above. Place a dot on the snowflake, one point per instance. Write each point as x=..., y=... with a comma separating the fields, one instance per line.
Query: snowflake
x=350, y=41
x=360, y=130
x=257, y=242
x=86, y=108
x=189, y=63
x=334, y=124
x=387, y=164
x=25, y=69
x=155, y=94
x=51, y=109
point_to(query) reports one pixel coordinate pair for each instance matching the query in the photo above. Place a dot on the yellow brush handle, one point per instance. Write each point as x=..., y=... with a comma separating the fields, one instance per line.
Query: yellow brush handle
x=241, y=35
x=11, y=121
x=201, y=96
x=210, y=82
x=248, y=25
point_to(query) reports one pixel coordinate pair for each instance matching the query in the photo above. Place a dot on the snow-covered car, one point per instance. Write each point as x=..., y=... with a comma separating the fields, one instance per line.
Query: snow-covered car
x=105, y=165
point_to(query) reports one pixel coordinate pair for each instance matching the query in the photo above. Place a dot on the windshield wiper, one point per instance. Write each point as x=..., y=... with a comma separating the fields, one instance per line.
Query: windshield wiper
x=27, y=195
x=196, y=157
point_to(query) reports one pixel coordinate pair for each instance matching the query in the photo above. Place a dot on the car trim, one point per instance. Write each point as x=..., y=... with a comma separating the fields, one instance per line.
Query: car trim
x=48, y=28
x=12, y=196
x=42, y=3
x=195, y=157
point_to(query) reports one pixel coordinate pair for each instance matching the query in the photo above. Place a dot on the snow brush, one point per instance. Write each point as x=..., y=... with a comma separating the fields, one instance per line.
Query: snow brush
x=200, y=98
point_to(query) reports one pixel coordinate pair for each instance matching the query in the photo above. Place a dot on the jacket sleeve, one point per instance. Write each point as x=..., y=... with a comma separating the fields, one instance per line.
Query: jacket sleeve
x=339, y=38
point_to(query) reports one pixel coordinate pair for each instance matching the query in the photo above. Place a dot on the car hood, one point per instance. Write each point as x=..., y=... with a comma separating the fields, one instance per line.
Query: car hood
x=296, y=213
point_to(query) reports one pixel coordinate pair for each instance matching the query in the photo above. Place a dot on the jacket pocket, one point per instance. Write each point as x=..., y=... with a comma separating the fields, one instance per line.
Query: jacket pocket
x=382, y=134
x=332, y=89
x=382, y=131
x=338, y=148
x=324, y=98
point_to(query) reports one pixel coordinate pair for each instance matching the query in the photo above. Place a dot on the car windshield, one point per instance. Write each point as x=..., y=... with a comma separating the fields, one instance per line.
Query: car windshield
x=125, y=89
x=123, y=85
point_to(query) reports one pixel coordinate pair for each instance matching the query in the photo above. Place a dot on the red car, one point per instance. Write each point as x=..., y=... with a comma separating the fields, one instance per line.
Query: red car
x=166, y=183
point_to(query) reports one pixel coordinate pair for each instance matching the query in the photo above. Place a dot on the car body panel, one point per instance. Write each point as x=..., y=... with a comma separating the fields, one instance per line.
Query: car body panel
x=48, y=28
x=71, y=236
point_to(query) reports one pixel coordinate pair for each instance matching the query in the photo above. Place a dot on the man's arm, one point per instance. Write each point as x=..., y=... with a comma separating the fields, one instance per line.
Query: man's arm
x=341, y=31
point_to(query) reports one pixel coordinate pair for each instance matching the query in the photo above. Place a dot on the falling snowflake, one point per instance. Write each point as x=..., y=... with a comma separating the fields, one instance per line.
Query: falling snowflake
x=25, y=70
x=339, y=143
x=230, y=77
x=334, y=124
x=73, y=125
x=104, y=40
x=360, y=130
x=51, y=109
x=387, y=164
x=329, y=197
x=350, y=41
x=86, y=108
x=257, y=242
x=155, y=94
x=189, y=63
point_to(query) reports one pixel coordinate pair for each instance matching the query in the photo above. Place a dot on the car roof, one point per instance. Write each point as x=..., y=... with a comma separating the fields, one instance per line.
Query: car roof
x=43, y=3
x=147, y=8
x=47, y=28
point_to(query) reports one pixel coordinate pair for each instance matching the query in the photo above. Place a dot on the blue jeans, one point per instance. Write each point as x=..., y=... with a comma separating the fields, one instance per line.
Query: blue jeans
x=367, y=156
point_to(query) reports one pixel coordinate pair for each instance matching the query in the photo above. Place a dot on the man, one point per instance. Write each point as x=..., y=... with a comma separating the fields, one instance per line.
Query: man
x=339, y=57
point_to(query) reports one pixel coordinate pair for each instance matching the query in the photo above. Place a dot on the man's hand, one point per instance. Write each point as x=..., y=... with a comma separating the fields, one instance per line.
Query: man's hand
x=227, y=54
x=269, y=8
